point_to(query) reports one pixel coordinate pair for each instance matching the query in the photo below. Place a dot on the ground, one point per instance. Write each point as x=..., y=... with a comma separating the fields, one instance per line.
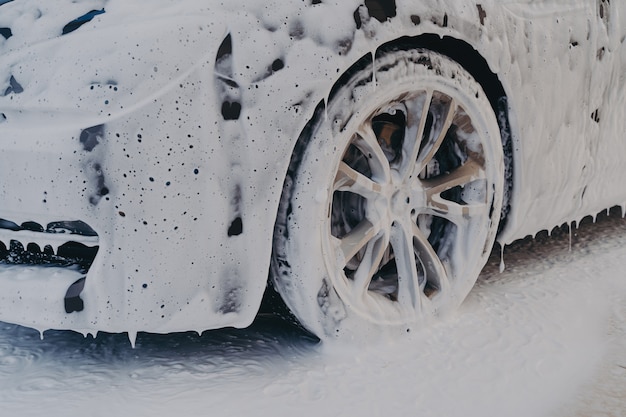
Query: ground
x=547, y=337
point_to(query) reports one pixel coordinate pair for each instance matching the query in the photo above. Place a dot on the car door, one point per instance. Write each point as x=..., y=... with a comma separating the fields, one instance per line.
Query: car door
x=607, y=103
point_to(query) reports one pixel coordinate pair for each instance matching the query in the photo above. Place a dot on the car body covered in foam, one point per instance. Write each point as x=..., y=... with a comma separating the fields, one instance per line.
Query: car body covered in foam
x=156, y=139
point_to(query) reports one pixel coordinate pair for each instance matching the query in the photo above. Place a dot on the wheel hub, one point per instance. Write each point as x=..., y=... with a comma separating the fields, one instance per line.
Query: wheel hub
x=403, y=198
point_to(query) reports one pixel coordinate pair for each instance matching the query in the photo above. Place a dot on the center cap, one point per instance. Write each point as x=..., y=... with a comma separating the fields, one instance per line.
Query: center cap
x=400, y=201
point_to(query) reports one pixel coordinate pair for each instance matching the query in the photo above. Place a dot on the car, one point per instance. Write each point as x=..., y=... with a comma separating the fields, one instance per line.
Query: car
x=160, y=161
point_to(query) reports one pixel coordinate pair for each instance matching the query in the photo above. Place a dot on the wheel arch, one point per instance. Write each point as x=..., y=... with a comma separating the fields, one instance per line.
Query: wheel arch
x=458, y=50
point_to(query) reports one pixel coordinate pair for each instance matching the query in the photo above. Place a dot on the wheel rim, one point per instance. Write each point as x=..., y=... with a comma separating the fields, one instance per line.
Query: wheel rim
x=411, y=206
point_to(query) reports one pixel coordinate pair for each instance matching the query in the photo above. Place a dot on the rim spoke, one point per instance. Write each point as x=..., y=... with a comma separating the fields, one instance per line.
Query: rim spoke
x=372, y=259
x=466, y=173
x=464, y=240
x=458, y=214
x=408, y=285
x=434, y=271
x=415, y=131
x=367, y=142
x=431, y=148
x=450, y=210
x=349, y=179
x=357, y=239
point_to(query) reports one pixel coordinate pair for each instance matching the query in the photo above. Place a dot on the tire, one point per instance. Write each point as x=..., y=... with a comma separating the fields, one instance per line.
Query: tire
x=379, y=230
